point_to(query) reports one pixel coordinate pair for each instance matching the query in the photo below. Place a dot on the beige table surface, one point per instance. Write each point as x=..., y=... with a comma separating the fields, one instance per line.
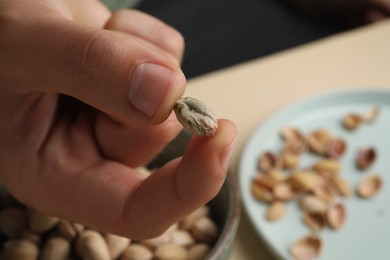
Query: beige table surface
x=249, y=92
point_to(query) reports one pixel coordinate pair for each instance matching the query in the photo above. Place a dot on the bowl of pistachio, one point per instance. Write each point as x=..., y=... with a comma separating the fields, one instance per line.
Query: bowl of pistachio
x=207, y=233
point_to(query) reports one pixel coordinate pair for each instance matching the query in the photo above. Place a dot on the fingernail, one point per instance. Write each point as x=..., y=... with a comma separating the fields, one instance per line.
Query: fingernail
x=148, y=87
x=226, y=154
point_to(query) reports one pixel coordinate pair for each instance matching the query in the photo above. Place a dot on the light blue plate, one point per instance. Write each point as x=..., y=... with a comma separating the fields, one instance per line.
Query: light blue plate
x=366, y=233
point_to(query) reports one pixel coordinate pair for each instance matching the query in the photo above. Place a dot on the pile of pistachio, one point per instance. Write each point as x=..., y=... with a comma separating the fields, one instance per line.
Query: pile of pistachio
x=27, y=234
x=318, y=188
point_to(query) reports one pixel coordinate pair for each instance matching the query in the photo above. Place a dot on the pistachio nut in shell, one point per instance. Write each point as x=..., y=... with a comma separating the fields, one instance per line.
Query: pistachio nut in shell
x=369, y=186
x=196, y=117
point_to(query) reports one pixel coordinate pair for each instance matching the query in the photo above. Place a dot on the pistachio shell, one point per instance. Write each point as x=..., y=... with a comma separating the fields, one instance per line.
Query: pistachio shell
x=261, y=193
x=315, y=221
x=336, y=148
x=352, y=121
x=313, y=204
x=307, y=248
x=269, y=161
x=276, y=211
x=369, y=186
x=370, y=114
x=306, y=180
x=336, y=215
x=289, y=160
x=342, y=186
x=327, y=165
x=366, y=157
x=283, y=191
x=294, y=140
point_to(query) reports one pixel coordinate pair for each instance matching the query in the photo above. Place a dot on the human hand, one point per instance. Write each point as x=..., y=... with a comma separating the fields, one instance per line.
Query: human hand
x=83, y=106
x=354, y=12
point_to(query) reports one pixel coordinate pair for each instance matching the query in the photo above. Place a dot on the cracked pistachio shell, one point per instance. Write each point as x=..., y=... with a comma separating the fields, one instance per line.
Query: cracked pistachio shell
x=276, y=211
x=369, y=186
x=336, y=215
x=196, y=117
x=307, y=248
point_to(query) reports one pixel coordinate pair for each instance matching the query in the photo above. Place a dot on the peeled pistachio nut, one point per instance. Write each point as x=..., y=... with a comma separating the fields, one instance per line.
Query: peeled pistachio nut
x=90, y=245
x=156, y=242
x=137, y=252
x=190, y=219
x=198, y=251
x=366, y=157
x=205, y=230
x=181, y=238
x=56, y=248
x=13, y=221
x=276, y=211
x=69, y=230
x=307, y=248
x=19, y=250
x=369, y=186
x=171, y=252
x=40, y=223
x=196, y=117
x=336, y=215
x=116, y=244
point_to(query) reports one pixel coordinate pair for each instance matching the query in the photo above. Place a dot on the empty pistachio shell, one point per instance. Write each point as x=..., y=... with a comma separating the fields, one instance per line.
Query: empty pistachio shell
x=370, y=114
x=315, y=221
x=137, y=252
x=294, y=141
x=283, y=191
x=56, y=248
x=336, y=215
x=289, y=160
x=327, y=165
x=352, y=121
x=307, y=248
x=269, y=161
x=369, y=186
x=13, y=221
x=336, y=148
x=313, y=204
x=196, y=117
x=171, y=252
x=276, y=211
x=306, y=180
x=366, y=157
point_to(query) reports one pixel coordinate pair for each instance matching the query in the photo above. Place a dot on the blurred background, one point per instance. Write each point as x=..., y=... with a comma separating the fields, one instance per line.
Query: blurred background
x=221, y=33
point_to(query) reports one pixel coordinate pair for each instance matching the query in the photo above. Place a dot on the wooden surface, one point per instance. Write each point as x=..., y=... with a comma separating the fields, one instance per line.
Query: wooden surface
x=249, y=92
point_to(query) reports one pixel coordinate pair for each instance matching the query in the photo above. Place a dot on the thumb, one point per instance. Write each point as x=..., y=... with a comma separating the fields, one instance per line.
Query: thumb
x=120, y=74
